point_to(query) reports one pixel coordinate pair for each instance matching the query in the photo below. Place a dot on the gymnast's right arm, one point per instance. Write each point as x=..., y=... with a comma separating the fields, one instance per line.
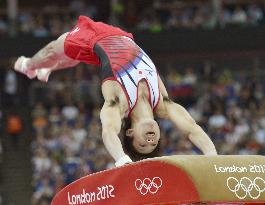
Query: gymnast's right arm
x=110, y=117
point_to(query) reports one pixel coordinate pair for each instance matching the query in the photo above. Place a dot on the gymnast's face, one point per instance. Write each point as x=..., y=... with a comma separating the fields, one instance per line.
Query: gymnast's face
x=146, y=135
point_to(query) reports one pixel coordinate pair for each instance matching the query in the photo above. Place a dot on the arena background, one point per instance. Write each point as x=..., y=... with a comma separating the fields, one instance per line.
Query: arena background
x=210, y=54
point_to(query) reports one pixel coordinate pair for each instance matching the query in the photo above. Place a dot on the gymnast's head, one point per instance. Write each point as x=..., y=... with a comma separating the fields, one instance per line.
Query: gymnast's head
x=141, y=139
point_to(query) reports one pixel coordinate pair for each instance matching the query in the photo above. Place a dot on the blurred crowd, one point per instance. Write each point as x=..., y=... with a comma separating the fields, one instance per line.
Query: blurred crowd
x=67, y=131
x=200, y=14
x=55, y=19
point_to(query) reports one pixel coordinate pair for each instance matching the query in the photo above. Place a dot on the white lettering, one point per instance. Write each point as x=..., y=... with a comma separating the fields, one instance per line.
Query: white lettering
x=69, y=199
x=251, y=168
x=103, y=193
x=111, y=190
x=237, y=169
x=257, y=168
x=215, y=167
x=99, y=193
x=230, y=169
x=93, y=196
x=107, y=191
x=74, y=199
x=88, y=197
x=78, y=199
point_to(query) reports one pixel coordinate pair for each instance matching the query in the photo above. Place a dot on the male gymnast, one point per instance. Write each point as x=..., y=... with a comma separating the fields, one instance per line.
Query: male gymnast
x=131, y=87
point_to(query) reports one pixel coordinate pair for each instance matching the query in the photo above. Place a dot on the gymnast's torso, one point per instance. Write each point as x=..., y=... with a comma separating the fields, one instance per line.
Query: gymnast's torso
x=130, y=70
x=124, y=62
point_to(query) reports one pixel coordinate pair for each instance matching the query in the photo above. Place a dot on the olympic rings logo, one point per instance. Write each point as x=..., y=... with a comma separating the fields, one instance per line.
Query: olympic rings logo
x=246, y=187
x=148, y=185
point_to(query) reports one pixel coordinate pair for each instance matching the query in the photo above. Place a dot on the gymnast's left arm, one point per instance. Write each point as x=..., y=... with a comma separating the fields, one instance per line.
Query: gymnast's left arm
x=187, y=125
x=177, y=114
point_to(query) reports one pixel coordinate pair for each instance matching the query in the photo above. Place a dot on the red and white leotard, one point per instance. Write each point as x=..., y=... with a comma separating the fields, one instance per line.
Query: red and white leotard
x=120, y=57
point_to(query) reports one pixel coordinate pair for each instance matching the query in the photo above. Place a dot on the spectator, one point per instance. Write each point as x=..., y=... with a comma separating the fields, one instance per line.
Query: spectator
x=43, y=193
x=14, y=128
x=217, y=120
x=239, y=16
x=189, y=77
x=79, y=132
x=41, y=161
x=3, y=26
x=255, y=14
x=39, y=28
x=70, y=112
x=39, y=115
x=55, y=117
x=225, y=17
x=10, y=88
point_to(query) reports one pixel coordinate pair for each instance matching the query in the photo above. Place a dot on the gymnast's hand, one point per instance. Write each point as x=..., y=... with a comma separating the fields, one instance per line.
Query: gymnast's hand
x=211, y=153
x=21, y=65
x=123, y=160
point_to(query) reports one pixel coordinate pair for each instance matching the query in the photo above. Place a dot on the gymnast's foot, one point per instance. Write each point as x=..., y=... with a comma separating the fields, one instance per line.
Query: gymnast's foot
x=43, y=74
x=21, y=65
